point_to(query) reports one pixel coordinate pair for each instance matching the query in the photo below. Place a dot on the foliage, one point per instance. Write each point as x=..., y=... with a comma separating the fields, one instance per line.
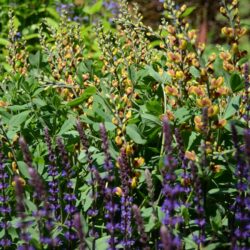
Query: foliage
x=142, y=144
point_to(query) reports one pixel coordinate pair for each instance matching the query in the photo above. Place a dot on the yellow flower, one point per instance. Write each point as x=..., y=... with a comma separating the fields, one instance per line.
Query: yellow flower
x=225, y=55
x=129, y=149
x=222, y=91
x=171, y=91
x=129, y=90
x=170, y=115
x=171, y=29
x=215, y=83
x=179, y=75
x=213, y=110
x=227, y=31
x=3, y=104
x=129, y=114
x=138, y=162
x=196, y=90
x=114, y=121
x=118, y=140
x=228, y=66
x=174, y=57
x=23, y=182
x=204, y=102
x=220, y=123
x=216, y=168
x=212, y=57
x=14, y=167
x=198, y=123
x=118, y=191
x=10, y=155
x=190, y=155
x=134, y=182
x=183, y=44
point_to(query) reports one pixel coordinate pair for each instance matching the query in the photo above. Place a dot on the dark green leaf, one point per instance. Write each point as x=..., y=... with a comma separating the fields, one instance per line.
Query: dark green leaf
x=86, y=94
x=236, y=83
x=133, y=132
x=188, y=11
x=18, y=119
x=232, y=107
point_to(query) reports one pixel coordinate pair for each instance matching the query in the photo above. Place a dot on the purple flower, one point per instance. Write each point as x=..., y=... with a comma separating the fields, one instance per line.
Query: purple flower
x=246, y=97
x=199, y=206
x=79, y=229
x=110, y=206
x=171, y=188
x=241, y=208
x=53, y=173
x=94, y=178
x=20, y=207
x=126, y=201
x=111, y=6
x=4, y=206
x=140, y=226
x=43, y=213
x=69, y=196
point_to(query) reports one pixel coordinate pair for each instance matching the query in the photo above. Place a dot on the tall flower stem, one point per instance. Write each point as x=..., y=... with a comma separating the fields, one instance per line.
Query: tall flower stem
x=126, y=201
x=110, y=206
x=93, y=211
x=5, y=209
x=69, y=195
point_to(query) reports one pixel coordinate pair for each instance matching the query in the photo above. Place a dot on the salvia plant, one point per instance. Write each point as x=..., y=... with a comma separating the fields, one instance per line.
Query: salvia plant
x=115, y=135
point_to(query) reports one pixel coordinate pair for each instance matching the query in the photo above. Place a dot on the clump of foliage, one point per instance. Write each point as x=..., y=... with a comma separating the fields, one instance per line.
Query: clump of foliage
x=144, y=147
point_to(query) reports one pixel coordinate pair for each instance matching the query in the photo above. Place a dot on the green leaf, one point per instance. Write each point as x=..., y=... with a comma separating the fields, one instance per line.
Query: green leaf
x=94, y=8
x=31, y=36
x=157, y=77
x=133, y=132
x=194, y=72
x=154, y=107
x=109, y=126
x=86, y=94
x=213, y=246
x=232, y=107
x=182, y=115
x=23, y=169
x=51, y=23
x=67, y=125
x=190, y=244
x=236, y=83
x=18, y=119
x=35, y=59
x=20, y=107
x=188, y=11
x=152, y=118
x=4, y=42
x=102, y=243
x=192, y=139
x=214, y=191
x=52, y=12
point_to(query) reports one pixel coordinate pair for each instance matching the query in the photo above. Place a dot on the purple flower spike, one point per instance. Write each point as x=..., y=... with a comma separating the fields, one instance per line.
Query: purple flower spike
x=171, y=188
x=140, y=225
x=4, y=206
x=53, y=173
x=199, y=207
x=20, y=207
x=110, y=206
x=79, y=230
x=241, y=208
x=126, y=201
x=94, y=177
x=69, y=197
x=26, y=154
x=166, y=238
